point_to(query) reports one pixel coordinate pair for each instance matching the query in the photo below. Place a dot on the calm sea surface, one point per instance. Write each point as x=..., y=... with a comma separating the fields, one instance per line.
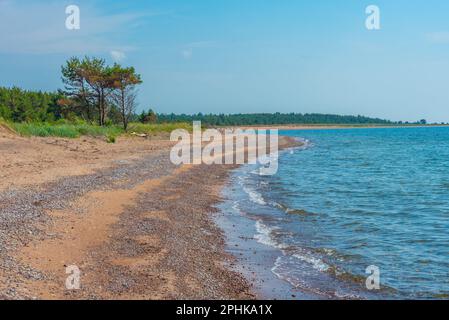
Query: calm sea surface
x=351, y=199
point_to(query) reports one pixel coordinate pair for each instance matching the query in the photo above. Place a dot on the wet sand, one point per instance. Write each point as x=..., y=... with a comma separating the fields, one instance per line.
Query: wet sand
x=255, y=260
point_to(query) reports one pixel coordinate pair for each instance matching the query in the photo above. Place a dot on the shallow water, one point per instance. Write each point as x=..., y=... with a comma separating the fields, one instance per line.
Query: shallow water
x=350, y=199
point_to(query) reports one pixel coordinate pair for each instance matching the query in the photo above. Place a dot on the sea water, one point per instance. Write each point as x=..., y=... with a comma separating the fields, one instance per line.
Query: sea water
x=349, y=199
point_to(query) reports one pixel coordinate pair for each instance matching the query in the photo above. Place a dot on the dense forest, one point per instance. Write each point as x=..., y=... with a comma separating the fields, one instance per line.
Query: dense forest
x=270, y=119
x=27, y=106
x=19, y=105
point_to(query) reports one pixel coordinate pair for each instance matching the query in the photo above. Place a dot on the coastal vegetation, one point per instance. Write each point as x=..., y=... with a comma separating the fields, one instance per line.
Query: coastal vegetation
x=270, y=119
x=75, y=130
x=97, y=100
x=94, y=90
x=278, y=118
x=101, y=100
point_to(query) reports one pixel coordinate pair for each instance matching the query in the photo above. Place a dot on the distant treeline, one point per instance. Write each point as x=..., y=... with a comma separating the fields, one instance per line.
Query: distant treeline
x=269, y=119
x=20, y=105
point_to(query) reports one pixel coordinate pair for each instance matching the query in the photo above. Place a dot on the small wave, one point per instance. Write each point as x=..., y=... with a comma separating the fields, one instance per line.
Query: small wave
x=296, y=211
x=305, y=144
x=236, y=206
x=264, y=234
x=283, y=270
x=316, y=263
x=254, y=196
x=288, y=210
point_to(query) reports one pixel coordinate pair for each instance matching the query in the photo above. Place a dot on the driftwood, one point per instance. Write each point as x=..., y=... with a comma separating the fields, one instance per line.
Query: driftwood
x=142, y=135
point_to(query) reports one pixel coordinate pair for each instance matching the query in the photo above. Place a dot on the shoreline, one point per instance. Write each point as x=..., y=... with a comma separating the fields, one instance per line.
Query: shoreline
x=320, y=251
x=250, y=256
x=147, y=239
x=253, y=258
x=259, y=257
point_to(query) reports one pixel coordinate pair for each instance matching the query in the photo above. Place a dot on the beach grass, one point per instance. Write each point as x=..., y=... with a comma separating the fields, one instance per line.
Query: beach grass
x=156, y=128
x=65, y=130
x=62, y=130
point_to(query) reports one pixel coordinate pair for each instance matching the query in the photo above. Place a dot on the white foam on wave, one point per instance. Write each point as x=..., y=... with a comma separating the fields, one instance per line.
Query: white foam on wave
x=315, y=262
x=305, y=144
x=265, y=237
x=254, y=196
x=283, y=273
x=264, y=234
x=297, y=278
x=236, y=206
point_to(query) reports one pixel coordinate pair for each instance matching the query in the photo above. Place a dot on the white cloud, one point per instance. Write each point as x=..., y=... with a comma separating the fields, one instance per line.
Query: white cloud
x=39, y=28
x=117, y=56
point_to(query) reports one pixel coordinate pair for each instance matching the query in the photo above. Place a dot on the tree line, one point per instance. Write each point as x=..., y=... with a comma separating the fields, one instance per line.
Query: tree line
x=107, y=94
x=270, y=119
x=93, y=92
x=25, y=106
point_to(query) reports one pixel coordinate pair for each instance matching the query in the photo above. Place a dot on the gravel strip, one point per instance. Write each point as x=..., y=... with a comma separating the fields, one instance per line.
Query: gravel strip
x=23, y=217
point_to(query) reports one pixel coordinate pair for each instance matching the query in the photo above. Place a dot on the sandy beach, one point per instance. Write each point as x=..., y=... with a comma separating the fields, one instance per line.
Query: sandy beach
x=135, y=225
x=221, y=158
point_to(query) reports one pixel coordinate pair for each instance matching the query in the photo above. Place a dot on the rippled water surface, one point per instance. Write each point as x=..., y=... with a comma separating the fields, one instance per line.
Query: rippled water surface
x=351, y=199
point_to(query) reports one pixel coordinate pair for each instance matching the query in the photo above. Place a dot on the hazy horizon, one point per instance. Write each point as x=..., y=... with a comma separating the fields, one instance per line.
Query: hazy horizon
x=245, y=56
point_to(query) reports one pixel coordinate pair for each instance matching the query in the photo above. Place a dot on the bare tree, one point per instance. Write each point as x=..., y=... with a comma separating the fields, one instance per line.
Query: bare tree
x=125, y=99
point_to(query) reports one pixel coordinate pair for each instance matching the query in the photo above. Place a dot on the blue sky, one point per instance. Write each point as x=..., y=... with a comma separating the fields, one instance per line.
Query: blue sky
x=245, y=55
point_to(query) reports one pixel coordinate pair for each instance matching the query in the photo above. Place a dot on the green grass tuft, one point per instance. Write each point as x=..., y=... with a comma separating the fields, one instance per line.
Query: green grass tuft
x=111, y=138
x=66, y=130
x=45, y=130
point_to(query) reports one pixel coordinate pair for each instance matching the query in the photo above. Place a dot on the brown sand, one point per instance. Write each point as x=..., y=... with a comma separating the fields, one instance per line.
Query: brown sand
x=31, y=161
x=151, y=239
